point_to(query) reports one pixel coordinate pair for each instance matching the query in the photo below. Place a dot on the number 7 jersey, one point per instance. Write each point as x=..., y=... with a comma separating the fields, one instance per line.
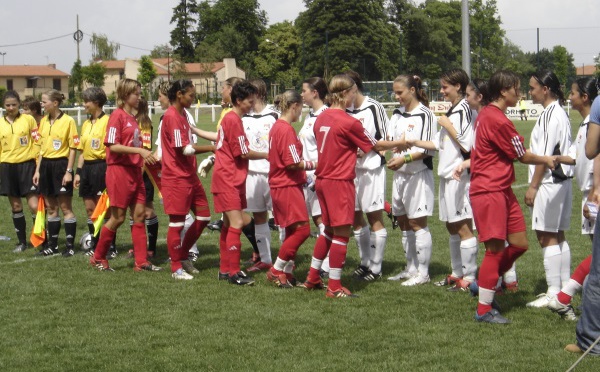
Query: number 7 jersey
x=338, y=136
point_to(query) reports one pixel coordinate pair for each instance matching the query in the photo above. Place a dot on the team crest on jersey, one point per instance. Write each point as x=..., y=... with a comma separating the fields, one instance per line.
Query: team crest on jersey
x=23, y=141
x=95, y=143
x=410, y=128
x=56, y=144
x=136, y=138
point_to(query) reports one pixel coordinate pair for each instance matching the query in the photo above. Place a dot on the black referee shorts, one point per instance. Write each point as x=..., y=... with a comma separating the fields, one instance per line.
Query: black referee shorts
x=52, y=172
x=149, y=188
x=92, y=178
x=16, y=179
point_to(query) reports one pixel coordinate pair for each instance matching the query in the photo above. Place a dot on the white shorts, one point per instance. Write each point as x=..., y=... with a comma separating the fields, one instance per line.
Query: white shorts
x=454, y=200
x=312, y=202
x=258, y=193
x=412, y=194
x=587, y=226
x=370, y=189
x=551, y=210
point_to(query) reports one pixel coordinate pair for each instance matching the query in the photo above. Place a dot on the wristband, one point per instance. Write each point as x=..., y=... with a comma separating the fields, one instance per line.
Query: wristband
x=407, y=158
x=309, y=165
x=79, y=170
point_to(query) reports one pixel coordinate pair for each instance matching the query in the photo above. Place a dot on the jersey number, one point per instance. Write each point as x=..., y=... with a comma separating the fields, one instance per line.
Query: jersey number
x=326, y=130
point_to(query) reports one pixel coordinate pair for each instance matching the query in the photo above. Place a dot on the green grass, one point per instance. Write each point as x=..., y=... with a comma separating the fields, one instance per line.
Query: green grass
x=58, y=314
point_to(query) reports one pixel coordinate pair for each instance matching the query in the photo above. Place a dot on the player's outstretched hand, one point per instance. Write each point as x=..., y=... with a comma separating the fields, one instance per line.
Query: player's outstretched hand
x=553, y=162
x=458, y=171
x=530, y=196
x=395, y=163
x=148, y=157
x=205, y=166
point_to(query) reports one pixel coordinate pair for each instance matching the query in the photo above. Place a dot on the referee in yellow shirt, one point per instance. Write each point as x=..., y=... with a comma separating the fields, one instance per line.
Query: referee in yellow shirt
x=58, y=141
x=91, y=165
x=17, y=163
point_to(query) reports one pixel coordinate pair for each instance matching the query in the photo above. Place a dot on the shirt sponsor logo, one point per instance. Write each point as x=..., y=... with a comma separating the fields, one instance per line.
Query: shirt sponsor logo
x=76, y=139
x=56, y=144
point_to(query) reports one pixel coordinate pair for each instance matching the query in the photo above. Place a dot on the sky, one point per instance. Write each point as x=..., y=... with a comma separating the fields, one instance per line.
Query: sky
x=145, y=23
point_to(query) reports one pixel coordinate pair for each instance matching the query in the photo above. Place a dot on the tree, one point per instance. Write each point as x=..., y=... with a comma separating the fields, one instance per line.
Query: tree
x=487, y=38
x=278, y=55
x=597, y=63
x=146, y=74
x=76, y=79
x=362, y=39
x=184, y=17
x=102, y=48
x=94, y=74
x=230, y=28
x=563, y=65
x=161, y=51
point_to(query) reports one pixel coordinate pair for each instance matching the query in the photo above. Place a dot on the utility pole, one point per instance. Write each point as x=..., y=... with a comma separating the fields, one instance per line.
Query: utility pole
x=2, y=54
x=538, y=49
x=466, y=44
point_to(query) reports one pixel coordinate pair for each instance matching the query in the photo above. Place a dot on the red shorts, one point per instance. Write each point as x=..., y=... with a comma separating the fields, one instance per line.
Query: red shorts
x=125, y=186
x=288, y=205
x=336, y=198
x=179, y=199
x=497, y=214
x=229, y=201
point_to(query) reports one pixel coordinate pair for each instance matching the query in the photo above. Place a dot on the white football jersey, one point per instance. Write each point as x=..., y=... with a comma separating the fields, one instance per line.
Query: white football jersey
x=451, y=154
x=372, y=116
x=420, y=124
x=551, y=135
x=257, y=127
x=584, y=167
x=307, y=136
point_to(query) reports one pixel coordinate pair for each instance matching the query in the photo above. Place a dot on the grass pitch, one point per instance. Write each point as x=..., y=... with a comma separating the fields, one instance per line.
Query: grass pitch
x=59, y=314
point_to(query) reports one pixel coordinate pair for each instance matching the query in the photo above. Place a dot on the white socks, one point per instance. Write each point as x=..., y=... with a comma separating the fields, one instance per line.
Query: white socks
x=279, y=264
x=378, y=240
x=455, y=256
x=363, y=240
x=565, y=262
x=410, y=251
x=511, y=275
x=263, y=241
x=316, y=263
x=423, y=245
x=572, y=287
x=552, y=266
x=468, y=253
x=189, y=220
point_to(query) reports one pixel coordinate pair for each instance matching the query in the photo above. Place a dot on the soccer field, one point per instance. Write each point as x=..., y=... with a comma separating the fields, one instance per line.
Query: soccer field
x=60, y=314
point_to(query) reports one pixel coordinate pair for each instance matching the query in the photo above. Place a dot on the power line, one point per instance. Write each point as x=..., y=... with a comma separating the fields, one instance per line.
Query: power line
x=35, y=42
x=555, y=28
x=121, y=44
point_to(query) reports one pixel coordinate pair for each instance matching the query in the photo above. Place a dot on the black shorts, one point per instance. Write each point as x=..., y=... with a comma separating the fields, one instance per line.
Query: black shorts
x=16, y=179
x=92, y=178
x=52, y=172
x=149, y=188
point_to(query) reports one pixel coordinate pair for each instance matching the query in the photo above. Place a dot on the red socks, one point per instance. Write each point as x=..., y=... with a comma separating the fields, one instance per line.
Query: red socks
x=106, y=237
x=224, y=258
x=174, y=244
x=293, y=241
x=509, y=256
x=233, y=247
x=140, y=243
x=192, y=235
x=337, y=258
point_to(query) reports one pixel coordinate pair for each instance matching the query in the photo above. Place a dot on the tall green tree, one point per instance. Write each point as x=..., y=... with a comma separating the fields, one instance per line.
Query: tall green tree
x=353, y=34
x=277, y=59
x=102, y=48
x=76, y=79
x=146, y=75
x=161, y=51
x=94, y=74
x=563, y=65
x=185, y=20
x=230, y=28
x=487, y=38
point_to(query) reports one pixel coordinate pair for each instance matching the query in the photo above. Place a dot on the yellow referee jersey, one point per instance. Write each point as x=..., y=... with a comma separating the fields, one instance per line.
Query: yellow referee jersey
x=16, y=139
x=223, y=113
x=146, y=138
x=92, y=138
x=56, y=139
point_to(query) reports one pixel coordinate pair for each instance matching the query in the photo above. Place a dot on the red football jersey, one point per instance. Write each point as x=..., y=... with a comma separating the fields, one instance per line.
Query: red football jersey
x=123, y=129
x=175, y=134
x=497, y=145
x=339, y=136
x=284, y=149
x=231, y=169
